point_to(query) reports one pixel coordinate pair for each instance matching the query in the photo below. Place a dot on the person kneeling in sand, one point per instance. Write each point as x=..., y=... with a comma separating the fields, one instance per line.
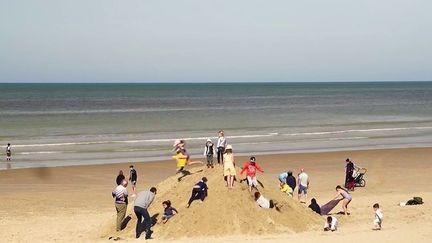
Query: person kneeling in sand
x=330, y=224
x=199, y=191
x=264, y=202
x=378, y=217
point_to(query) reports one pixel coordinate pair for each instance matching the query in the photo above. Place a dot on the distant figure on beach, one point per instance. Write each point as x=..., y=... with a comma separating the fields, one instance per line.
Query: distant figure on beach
x=349, y=170
x=303, y=182
x=291, y=181
x=169, y=211
x=378, y=217
x=120, y=177
x=199, y=191
x=141, y=205
x=346, y=198
x=229, y=166
x=8, y=152
x=251, y=167
x=221, y=146
x=264, y=202
x=330, y=224
x=314, y=206
x=120, y=196
x=209, y=152
x=133, y=177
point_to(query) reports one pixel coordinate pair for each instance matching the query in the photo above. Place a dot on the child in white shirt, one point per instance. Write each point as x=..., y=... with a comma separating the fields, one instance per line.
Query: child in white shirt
x=378, y=217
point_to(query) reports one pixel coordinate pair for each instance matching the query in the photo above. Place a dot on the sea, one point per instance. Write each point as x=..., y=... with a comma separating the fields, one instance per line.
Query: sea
x=52, y=125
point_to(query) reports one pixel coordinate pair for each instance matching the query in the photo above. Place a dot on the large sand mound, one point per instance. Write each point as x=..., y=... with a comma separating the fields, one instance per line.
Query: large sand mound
x=224, y=212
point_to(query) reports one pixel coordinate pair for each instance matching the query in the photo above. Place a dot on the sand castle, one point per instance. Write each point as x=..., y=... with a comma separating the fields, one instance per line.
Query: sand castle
x=224, y=212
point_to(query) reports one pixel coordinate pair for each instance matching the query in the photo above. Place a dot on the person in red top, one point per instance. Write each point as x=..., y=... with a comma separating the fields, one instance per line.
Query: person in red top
x=251, y=168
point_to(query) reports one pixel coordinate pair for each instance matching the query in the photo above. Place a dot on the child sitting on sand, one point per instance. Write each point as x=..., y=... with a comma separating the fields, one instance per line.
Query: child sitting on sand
x=378, y=217
x=330, y=224
x=264, y=202
x=169, y=211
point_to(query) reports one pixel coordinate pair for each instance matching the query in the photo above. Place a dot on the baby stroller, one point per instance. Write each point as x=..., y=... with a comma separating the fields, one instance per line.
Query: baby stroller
x=358, y=177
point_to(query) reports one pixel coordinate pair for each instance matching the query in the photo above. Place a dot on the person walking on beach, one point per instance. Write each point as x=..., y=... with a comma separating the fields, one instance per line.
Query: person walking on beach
x=141, y=205
x=199, y=191
x=346, y=198
x=251, y=168
x=120, y=178
x=303, y=182
x=209, y=151
x=291, y=181
x=120, y=196
x=229, y=166
x=221, y=145
x=133, y=177
x=8, y=152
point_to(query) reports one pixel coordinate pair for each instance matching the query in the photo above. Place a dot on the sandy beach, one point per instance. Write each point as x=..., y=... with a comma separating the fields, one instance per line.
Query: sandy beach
x=74, y=204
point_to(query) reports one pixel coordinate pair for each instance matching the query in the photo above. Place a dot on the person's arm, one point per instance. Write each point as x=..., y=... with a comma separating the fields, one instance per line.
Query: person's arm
x=174, y=211
x=205, y=150
x=337, y=196
x=243, y=168
x=259, y=168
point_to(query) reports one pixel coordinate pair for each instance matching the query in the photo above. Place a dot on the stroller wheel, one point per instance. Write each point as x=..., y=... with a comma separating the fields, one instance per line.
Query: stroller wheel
x=362, y=183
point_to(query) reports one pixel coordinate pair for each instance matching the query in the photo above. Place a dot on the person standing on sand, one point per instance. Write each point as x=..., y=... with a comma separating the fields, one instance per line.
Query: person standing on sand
x=303, y=182
x=251, y=168
x=349, y=170
x=229, y=166
x=120, y=195
x=291, y=181
x=221, y=145
x=120, y=178
x=209, y=151
x=346, y=198
x=8, y=152
x=199, y=191
x=141, y=205
x=133, y=177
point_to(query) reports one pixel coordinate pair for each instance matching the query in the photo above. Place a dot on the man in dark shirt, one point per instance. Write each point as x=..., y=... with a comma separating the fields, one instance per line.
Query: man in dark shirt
x=199, y=191
x=291, y=181
x=349, y=169
x=133, y=178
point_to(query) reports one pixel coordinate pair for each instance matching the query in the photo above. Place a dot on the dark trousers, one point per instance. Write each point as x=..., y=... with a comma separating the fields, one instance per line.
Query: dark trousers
x=220, y=152
x=197, y=194
x=142, y=213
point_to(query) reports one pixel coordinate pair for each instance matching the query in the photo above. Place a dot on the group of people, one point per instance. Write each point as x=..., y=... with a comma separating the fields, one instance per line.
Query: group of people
x=288, y=184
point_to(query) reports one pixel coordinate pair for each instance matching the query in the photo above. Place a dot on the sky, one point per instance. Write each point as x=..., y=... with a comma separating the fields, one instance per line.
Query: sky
x=215, y=41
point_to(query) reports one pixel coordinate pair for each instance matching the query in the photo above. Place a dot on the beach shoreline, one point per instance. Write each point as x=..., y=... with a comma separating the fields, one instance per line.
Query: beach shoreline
x=73, y=203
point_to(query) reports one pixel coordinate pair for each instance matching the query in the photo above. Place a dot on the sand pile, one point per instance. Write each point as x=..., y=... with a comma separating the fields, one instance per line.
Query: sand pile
x=224, y=212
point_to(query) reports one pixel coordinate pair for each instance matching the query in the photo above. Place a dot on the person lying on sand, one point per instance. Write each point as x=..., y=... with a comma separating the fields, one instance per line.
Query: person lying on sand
x=315, y=207
x=330, y=224
x=264, y=202
x=199, y=191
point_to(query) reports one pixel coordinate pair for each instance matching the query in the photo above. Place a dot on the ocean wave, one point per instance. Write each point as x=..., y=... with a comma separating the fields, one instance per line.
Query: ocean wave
x=357, y=130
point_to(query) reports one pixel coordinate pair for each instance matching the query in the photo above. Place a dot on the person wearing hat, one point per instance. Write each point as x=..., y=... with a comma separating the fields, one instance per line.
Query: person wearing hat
x=229, y=166
x=199, y=191
x=209, y=152
x=251, y=168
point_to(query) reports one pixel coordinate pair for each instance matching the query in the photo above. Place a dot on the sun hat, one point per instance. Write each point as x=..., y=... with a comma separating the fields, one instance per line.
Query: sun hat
x=229, y=147
x=208, y=140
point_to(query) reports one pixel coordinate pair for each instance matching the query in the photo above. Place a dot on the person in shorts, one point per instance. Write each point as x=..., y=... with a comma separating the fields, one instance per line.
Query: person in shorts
x=251, y=168
x=303, y=183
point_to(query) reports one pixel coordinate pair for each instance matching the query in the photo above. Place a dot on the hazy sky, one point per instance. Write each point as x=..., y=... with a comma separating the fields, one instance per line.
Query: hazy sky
x=202, y=41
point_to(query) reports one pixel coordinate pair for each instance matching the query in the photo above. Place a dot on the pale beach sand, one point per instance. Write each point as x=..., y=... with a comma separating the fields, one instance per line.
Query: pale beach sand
x=74, y=204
